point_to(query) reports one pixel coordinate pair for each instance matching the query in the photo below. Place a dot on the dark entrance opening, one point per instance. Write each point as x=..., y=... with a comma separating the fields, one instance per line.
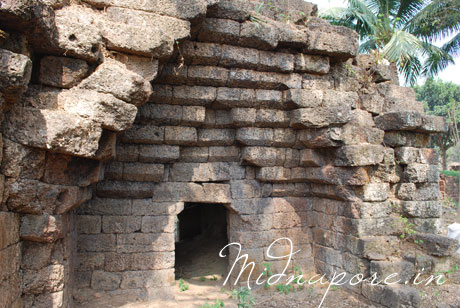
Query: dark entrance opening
x=201, y=233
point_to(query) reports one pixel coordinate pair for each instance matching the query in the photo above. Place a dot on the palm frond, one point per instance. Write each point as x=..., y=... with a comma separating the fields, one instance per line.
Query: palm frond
x=402, y=47
x=437, y=20
x=367, y=46
x=436, y=61
x=408, y=9
x=411, y=70
x=452, y=47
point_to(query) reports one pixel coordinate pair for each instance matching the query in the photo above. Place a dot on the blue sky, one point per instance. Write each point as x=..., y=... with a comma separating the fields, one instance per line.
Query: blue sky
x=451, y=73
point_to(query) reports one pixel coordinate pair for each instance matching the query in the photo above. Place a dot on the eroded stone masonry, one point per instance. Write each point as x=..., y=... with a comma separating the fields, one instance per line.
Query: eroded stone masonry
x=117, y=115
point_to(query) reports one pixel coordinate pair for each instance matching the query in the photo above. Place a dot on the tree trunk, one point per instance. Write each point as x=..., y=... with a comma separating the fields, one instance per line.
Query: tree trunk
x=443, y=150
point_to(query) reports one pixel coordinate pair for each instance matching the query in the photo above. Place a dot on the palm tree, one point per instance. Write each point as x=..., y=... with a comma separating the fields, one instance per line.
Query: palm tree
x=397, y=31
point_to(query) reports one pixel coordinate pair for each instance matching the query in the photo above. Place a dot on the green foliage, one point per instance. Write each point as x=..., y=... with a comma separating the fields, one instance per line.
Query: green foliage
x=393, y=30
x=217, y=304
x=267, y=273
x=214, y=278
x=202, y=278
x=441, y=98
x=244, y=297
x=286, y=289
x=453, y=173
x=408, y=231
x=183, y=286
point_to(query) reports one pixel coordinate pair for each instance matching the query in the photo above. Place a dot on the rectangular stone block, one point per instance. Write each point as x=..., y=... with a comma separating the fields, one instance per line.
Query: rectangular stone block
x=148, y=207
x=158, y=153
x=87, y=224
x=96, y=242
x=264, y=156
x=244, y=116
x=311, y=64
x=158, y=224
x=276, y=61
x=210, y=136
x=320, y=138
x=127, y=152
x=192, y=192
x=194, y=95
x=233, y=56
x=180, y=135
x=208, y=76
x=161, y=114
x=284, y=137
x=119, y=189
x=246, y=189
x=121, y=224
x=219, y=30
x=421, y=173
x=106, y=206
x=152, y=260
x=193, y=115
x=9, y=229
x=145, y=242
x=272, y=118
x=142, y=172
x=274, y=174
x=206, y=172
x=224, y=153
x=255, y=136
x=194, y=154
x=198, y=53
x=359, y=155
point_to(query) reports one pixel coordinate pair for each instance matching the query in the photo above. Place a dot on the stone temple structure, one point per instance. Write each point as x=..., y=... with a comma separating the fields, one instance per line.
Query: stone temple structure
x=118, y=115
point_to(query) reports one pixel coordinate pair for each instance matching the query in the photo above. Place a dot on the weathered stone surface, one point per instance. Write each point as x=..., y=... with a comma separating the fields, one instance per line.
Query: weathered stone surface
x=105, y=281
x=320, y=116
x=19, y=160
x=411, y=121
x=320, y=138
x=180, y=135
x=158, y=153
x=219, y=30
x=62, y=72
x=34, y=197
x=141, y=172
x=255, y=136
x=376, y=192
x=9, y=229
x=41, y=228
x=359, y=155
x=15, y=72
x=157, y=39
x=311, y=64
x=67, y=133
x=119, y=189
x=77, y=32
x=421, y=209
x=265, y=36
x=206, y=172
x=48, y=279
x=192, y=192
x=114, y=78
x=181, y=9
x=399, y=98
x=421, y=173
x=437, y=245
x=383, y=269
x=324, y=39
x=264, y=156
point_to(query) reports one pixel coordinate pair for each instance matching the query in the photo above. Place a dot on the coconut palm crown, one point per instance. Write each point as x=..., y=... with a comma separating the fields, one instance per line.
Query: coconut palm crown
x=403, y=32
